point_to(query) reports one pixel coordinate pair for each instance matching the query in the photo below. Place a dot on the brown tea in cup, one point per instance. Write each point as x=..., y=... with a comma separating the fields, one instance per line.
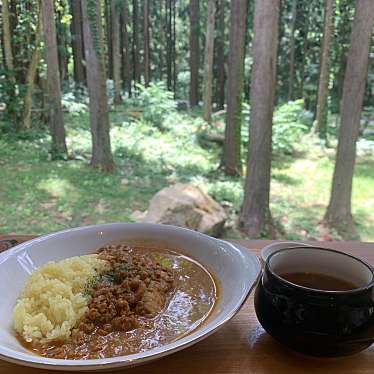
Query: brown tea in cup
x=319, y=281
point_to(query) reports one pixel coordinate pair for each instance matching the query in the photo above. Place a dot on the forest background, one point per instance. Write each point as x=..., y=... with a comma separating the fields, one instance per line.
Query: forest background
x=266, y=105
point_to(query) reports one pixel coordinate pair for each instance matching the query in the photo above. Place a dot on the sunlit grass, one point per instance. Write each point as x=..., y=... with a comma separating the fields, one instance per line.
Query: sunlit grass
x=300, y=207
x=39, y=196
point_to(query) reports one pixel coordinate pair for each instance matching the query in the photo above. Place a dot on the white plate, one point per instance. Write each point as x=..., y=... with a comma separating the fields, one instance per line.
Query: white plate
x=269, y=249
x=236, y=268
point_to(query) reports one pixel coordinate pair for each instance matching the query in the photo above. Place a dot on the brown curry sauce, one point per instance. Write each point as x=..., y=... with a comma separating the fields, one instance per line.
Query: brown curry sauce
x=151, y=297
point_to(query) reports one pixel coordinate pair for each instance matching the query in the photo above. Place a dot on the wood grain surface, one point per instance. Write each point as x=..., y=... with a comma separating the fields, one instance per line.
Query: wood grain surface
x=242, y=346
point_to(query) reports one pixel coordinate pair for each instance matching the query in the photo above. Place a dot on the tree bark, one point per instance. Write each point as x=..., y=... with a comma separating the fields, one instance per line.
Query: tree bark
x=161, y=40
x=305, y=50
x=116, y=57
x=18, y=46
x=339, y=213
x=77, y=42
x=96, y=84
x=8, y=54
x=146, y=42
x=56, y=118
x=135, y=41
x=61, y=40
x=169, y=67
x=7, y=36
x=27, y=32
x=344, y=31
x=340, y=74
x=174, y=49
x=292, y=51
x=126, y=49
x=2, y=51
x=323, y=81
x=231, y=162
x=13, y=22
x=208, y=62
x=30, y=77
x=109, y=37
x=221, y=57
x=194, y=51
x=255, y=218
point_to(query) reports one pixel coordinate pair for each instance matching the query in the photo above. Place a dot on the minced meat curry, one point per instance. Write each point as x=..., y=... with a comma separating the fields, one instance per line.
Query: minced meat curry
x=148, y=298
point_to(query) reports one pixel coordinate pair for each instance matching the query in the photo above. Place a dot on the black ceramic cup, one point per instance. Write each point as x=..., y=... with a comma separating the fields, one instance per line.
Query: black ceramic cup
x=314, y=321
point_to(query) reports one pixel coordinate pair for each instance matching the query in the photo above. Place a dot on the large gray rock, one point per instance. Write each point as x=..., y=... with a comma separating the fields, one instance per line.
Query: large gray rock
x=187, y=206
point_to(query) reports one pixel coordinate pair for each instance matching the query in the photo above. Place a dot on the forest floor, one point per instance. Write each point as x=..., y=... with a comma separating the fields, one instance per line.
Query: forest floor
x=39, y=195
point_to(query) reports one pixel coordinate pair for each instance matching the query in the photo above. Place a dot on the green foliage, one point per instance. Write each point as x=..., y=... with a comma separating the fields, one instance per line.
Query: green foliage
x=227, y=190
x=157, y=103
x=289, y=125
x=72, y=105
x=11, y=100
x=24, y=23
x=365, y=147
x=183, y=86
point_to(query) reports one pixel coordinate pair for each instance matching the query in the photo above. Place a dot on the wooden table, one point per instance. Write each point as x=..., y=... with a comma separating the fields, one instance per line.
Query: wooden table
x=242, y=346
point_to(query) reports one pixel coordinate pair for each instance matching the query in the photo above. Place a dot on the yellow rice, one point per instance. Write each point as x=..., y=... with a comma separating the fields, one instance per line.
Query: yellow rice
x=53, y=301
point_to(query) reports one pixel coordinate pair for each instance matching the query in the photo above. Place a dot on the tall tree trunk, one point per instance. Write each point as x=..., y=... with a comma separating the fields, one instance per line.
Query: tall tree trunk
x=18, y=46
x=194, y=51
x=292, y=51
x=340, y=74
x=116, y=58
x=13, y=22
x=146, y=42
x=20, y=34
x=53, y=76
x=221, y=57
x=109, y=37
x=8, y=52
x=7, y=36
x=232, y=144
x=30, y=77
x=208, y=62
x=323, y=81
x=67, y=50
x=62, y=52
x=305, y=50
x=169, y=47
x=77, y=41
x=96, y=84
x=174, y=49
x=28, y=30
x=339, y=213
x=343, y=31
x=2, y=61
x=126, y=48
x=161, y=40
x=135, y=40
x=255, y=218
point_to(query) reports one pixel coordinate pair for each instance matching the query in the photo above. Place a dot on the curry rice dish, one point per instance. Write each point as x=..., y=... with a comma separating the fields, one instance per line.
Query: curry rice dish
x=121, y=300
